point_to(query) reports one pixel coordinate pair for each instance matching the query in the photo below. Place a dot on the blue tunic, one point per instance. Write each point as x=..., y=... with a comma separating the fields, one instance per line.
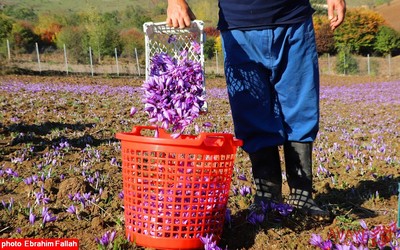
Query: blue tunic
x=259, y=14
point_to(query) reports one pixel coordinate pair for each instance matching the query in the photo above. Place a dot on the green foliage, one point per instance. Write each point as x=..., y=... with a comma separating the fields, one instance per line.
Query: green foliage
x=132, y=39
x=387, y=40
x=346, y=63
x=358, y=31
x=103, y=37
x=46, y=28
x=319, y=8
x=209, y=48
x=206, y=11
x=135, y=16
x=74, y=39
x=20, y=13
x=6, y=25
x=374, y=67
x=22, y=37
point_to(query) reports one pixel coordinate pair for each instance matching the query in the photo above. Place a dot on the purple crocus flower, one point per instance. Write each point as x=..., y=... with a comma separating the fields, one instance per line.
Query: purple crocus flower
x=196, y=47
x=228, y=217
x=207, y=124
x=244, y=191
x=47, y=216
x=363, y=224
x=255, y=218
x=283, y=209
x=71, y=209
x=172, y=39
x=316, y=240
x=208, y=242
x=107, y=238
x=10, y=205
x=32, y=217
x=28, y=180
x=132, y=111
x=242, y=177
x=173, y=94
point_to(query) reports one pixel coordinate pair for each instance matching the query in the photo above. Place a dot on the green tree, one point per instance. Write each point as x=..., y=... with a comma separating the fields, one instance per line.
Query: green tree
x=132, y=39
x=6, y=25
x=319, y=7
x=75, y=40
x=103, y=35
x=135, y=17
x=209, y=47
x=346, y=63
x=20, y=13
x=22, y=37
x=358, y=31
x=387, y=41
x=47, y=28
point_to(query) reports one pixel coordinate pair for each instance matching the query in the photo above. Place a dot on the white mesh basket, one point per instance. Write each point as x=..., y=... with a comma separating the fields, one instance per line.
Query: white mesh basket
x=161, y=38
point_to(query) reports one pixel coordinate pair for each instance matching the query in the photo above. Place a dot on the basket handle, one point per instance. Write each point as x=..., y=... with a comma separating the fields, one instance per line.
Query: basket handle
x=208, y=139
x=137, y=130
x=217, y=139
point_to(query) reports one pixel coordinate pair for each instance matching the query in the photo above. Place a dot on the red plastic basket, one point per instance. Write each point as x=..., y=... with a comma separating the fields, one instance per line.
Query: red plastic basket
x=175, y=190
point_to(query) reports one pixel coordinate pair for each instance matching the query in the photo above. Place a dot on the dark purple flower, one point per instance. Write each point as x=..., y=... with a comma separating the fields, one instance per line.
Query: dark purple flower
x=171, y=39
x=228, y=217
x=283, y=209
x=255, y=218
x=242, y=177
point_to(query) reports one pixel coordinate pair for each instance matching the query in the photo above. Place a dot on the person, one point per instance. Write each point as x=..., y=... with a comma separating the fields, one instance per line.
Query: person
x=272, y=77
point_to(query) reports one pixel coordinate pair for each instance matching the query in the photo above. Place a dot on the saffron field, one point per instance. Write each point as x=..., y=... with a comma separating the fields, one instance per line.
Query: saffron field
x=60, y=164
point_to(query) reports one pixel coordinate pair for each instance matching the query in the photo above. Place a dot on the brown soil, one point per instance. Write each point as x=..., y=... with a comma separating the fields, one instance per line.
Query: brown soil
x=34, y=124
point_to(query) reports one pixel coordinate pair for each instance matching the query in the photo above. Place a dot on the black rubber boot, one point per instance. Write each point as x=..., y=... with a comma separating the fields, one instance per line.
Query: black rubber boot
x=298, y=160
x=266, y=167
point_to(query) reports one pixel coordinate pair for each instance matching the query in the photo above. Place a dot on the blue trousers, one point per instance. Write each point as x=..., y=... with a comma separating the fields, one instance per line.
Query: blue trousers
x=272, y=79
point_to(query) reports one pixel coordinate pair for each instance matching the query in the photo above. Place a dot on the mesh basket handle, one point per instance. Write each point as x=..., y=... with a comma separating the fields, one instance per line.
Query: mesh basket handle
x=217, y=140
x=137, y=130
x=207, y=139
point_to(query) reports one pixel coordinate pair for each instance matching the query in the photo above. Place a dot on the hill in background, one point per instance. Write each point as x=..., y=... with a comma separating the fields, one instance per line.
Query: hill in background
x=204, y=9
x=391, y=13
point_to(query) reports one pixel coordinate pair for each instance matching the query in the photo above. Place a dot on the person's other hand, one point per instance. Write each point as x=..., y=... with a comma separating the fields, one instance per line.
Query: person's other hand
x=179, y=14
x=336, y=12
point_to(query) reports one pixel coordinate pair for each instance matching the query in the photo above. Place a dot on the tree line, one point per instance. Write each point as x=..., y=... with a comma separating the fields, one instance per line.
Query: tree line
x=364, y=31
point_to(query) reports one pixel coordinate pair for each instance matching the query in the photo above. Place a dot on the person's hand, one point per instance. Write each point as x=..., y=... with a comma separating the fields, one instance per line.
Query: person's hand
x=336, y=12
x=179, y=14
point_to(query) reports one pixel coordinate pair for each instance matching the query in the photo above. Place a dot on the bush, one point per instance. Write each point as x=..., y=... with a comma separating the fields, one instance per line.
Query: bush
x=131, y=39
x=22, y=37
x=74, y=39
x=346, y=63
x=209, y=48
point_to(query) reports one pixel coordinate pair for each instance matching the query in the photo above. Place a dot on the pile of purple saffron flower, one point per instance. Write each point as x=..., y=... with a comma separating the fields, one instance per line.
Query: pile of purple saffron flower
x=174, y=93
